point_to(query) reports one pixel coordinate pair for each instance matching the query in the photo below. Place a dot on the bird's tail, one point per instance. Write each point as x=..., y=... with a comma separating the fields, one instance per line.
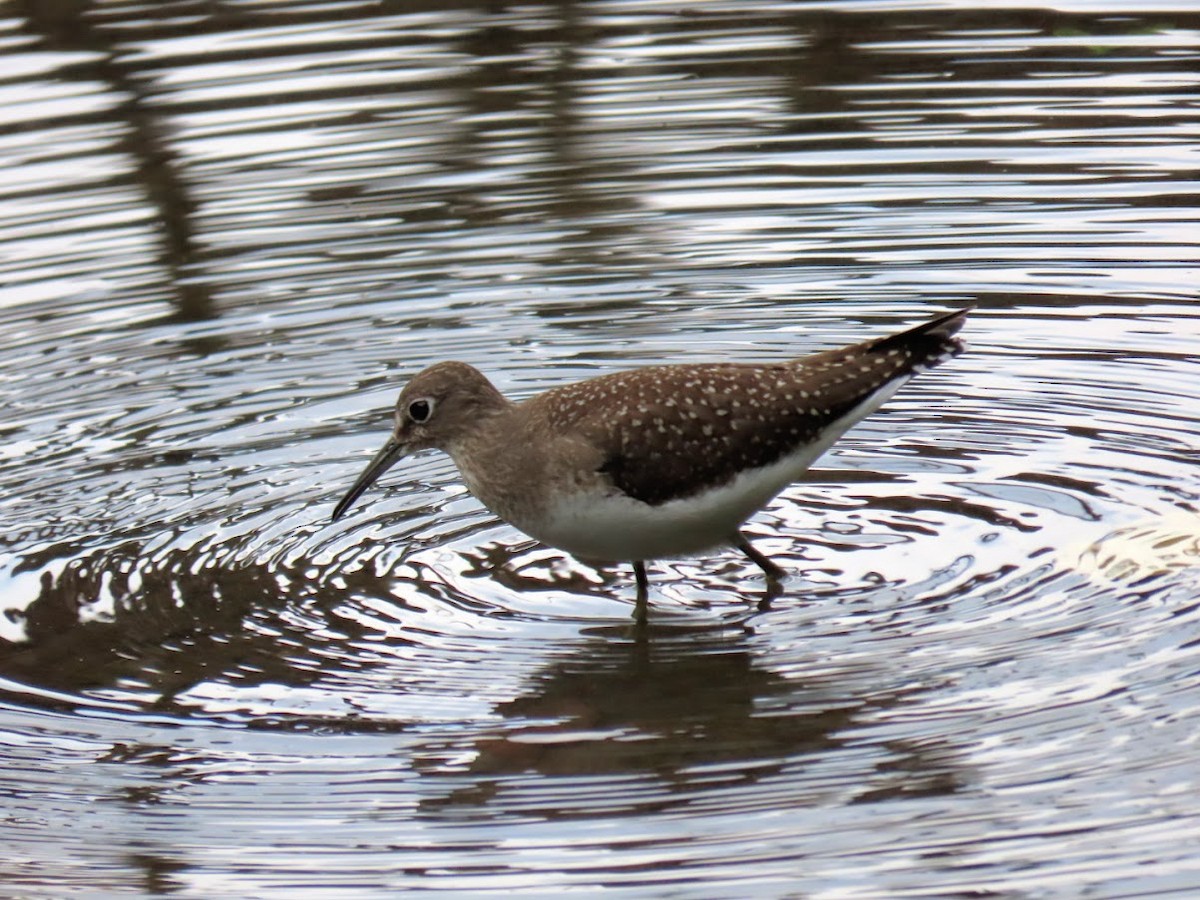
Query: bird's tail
x=929, y=343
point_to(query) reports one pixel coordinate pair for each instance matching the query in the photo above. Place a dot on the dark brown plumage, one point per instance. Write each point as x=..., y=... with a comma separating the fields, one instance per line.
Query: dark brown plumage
x=670, y=432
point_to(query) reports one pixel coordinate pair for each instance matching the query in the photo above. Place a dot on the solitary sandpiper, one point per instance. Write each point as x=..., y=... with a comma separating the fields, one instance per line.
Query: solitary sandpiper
x=656, y=462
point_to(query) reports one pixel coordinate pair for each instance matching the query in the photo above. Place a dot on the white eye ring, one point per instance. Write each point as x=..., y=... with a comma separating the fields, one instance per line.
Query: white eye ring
x=420, y=410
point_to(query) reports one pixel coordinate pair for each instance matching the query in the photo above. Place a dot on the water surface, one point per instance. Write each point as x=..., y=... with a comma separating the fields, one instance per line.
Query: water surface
x=228, y=234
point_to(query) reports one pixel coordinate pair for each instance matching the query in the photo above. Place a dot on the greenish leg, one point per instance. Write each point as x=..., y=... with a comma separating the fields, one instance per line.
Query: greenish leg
x=773, y=572
x=643, y=592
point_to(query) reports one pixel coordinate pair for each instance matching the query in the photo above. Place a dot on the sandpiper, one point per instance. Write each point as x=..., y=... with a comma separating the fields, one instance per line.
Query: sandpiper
x=657, y=462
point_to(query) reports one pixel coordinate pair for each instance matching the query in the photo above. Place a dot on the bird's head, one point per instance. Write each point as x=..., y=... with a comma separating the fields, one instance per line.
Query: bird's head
x=437, y=410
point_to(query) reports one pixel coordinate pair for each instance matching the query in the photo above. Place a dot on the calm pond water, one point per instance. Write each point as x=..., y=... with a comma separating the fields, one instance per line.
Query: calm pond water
x=229, y=231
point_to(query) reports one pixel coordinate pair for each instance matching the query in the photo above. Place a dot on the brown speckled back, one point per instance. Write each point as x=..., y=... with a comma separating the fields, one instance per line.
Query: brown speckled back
x=668, y=432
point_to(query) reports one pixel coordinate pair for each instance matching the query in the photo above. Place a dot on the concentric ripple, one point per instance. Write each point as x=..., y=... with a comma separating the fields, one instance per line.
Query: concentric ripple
x=230, y=235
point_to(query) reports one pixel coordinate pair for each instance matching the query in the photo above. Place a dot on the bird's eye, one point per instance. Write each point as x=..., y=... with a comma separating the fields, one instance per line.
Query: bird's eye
x=420, y=410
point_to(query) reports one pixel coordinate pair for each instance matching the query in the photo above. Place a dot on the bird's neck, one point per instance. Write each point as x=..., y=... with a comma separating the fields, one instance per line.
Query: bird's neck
x=495, y=457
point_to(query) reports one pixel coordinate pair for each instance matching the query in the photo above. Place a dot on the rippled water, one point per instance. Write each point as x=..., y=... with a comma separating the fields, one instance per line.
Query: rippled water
x=229, y=232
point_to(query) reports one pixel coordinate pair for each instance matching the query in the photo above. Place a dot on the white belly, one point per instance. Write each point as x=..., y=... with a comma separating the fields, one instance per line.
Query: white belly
x=619, y=528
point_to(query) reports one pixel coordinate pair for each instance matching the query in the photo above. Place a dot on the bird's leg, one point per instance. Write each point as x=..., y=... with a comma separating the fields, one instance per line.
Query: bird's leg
x=773, y=589
x=773, y=572
x=643, y=592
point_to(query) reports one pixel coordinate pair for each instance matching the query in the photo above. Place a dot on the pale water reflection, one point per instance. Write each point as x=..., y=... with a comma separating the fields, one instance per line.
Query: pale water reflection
x=229, y=231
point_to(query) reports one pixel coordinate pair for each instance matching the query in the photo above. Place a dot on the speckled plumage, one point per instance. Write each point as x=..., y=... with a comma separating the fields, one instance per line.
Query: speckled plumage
x=657, y=461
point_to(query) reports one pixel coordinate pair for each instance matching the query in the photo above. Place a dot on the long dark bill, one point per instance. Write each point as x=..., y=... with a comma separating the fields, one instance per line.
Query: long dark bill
x=392, y=452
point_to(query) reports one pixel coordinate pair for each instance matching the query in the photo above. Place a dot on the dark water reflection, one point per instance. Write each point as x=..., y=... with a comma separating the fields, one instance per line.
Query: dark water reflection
x=229, y=230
